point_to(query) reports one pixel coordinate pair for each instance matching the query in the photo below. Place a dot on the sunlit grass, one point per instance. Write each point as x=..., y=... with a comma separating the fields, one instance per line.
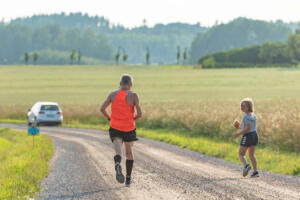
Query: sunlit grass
x=22, y=165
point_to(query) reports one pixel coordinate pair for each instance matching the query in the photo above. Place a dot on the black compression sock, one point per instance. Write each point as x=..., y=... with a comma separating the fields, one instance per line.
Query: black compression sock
x=117, y=159
x=129, y=165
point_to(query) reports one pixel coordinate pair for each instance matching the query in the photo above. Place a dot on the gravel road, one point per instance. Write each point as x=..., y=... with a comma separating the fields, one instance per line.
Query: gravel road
x=83, y=168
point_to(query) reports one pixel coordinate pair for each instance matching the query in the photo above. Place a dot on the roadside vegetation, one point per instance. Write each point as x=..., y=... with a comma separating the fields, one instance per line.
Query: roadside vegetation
x=22, y=167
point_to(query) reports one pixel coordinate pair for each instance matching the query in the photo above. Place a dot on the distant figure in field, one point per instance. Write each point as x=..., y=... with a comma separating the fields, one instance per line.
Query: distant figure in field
x=249, y=136
x=122, y=124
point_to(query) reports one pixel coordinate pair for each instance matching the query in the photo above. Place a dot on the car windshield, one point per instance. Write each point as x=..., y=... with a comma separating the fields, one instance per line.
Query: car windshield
x=50, y=107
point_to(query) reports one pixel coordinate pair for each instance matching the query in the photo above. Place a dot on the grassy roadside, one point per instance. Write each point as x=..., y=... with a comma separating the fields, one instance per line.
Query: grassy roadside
x=268, y=159
x=22, y=166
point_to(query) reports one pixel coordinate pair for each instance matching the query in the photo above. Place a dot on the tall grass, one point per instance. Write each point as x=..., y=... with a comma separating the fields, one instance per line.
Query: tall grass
x=278, y=121
x=22, y=166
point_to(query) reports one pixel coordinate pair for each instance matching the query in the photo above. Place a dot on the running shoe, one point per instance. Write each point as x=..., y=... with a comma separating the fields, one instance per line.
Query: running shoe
x=119, y=176
x=246, y=170
x=127, y=182
x=254, y=174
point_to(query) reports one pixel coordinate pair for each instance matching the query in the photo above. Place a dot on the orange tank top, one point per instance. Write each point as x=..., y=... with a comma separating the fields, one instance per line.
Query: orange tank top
x=122, y=113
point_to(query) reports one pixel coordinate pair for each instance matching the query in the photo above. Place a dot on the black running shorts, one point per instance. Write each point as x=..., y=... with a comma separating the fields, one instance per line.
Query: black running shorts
x=249, y=139
x=125, y=136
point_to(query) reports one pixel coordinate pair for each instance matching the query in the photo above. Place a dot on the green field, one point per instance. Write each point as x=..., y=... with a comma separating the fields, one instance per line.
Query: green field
x=196, y=103
x=81, y=85
x=22, y=166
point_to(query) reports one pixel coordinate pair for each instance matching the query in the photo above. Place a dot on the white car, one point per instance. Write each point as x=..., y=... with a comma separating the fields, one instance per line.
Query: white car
x=45, y=113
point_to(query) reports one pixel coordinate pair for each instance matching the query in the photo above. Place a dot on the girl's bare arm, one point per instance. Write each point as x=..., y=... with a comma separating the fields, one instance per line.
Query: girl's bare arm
x=245, y=130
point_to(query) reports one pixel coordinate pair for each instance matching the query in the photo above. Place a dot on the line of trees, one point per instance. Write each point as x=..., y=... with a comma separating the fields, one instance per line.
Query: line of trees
x=99, y=39
x=64, y=32
x=73, y=57
x=184, y=55
x=266, y=54
x=118, y=55
x=17, y=38
x=27, y=57
x=238, y=33
x=124, y=56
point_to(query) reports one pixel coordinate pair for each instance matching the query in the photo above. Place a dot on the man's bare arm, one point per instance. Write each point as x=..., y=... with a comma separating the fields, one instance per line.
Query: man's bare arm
x=137, y=107
x=105, y=104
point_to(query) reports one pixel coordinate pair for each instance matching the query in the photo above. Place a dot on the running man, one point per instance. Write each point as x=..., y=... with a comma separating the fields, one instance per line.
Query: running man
x=122, y=124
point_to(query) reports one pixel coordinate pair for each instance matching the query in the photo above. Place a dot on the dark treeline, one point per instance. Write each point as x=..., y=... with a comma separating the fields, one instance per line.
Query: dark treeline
x=100, y=41
x=266, y=54
x=16, y=39
x=161, y=39
x=236, y=34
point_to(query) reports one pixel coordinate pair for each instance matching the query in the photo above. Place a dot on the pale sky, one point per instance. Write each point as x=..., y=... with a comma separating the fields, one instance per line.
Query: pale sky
x=132, y=12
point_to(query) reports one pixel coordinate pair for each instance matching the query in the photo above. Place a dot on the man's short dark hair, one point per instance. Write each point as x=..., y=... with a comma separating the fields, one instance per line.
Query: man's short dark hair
x=126, y=79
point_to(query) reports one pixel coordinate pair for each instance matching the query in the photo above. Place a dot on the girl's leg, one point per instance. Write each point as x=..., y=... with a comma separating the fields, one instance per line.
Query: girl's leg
x=242, y=153
x=251, y=152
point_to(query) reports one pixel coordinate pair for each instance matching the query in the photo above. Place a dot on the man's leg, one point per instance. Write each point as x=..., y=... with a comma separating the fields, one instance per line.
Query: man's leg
x=118, y=146
x=117, y=158
x=129, y=161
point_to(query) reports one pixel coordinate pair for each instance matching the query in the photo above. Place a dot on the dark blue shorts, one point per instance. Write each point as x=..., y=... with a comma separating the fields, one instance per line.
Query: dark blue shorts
x=249, y=139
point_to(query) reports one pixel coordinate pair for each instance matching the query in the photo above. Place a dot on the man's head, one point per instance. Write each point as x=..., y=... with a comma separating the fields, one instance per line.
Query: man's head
x=126, y=81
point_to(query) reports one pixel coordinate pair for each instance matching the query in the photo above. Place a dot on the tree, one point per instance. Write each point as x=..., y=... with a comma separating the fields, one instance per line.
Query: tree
x=35, y=57
x=185, y=56
x=293, y=45
x=238, y=33
x=26, y=57
x=125, y=56
x=147, y=56
x=178, y=55
x=78, y=57
x=73, y=56
x=117, y=56
x=144, y=22
x=298, y=31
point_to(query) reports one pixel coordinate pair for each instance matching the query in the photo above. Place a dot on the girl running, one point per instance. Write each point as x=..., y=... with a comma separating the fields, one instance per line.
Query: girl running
x=249, y=136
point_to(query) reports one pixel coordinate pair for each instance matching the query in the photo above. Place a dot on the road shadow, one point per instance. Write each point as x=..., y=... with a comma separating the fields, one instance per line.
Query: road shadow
x=76, y=195
x=217, y=180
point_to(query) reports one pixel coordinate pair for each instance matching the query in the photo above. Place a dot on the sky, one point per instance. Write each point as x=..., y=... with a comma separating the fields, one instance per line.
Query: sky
x=131, y=13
